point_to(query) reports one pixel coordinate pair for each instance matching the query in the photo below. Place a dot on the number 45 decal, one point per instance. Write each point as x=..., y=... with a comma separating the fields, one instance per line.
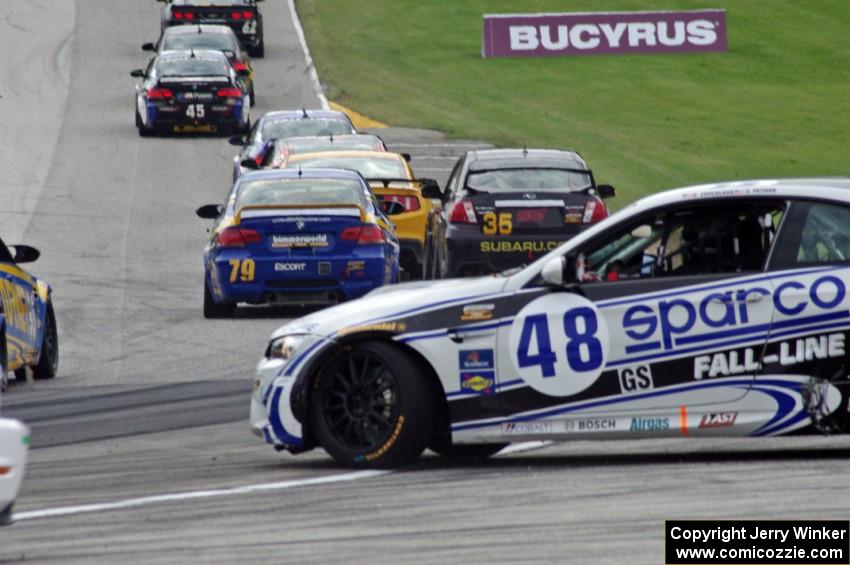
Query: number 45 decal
x=560, y=343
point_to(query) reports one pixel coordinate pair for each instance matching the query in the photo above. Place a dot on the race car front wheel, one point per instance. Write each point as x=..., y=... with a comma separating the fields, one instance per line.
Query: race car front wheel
x=371, y=407
x=48, y=357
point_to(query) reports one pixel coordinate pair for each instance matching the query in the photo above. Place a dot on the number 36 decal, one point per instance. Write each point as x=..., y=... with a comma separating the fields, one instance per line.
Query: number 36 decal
x=559, y=343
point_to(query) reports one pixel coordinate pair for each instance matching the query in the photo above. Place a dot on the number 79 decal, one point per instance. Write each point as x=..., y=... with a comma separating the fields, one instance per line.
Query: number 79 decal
x=559, y=343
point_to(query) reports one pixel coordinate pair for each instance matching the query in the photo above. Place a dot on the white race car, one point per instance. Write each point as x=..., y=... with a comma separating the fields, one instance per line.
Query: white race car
x=711, y=310
x=14, y=442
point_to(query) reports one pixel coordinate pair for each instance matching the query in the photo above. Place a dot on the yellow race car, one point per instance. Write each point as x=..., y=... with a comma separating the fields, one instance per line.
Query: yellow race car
x=405, y=198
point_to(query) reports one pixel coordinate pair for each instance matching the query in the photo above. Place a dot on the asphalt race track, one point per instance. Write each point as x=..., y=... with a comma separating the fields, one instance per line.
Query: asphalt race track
x=141, y=451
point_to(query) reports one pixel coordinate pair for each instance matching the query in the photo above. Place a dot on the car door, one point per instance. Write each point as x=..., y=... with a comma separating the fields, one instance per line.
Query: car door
x=663, y=311
x=810, y=275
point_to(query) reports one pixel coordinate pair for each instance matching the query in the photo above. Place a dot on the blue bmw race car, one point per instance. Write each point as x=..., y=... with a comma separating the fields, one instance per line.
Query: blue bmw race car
x=296, y=237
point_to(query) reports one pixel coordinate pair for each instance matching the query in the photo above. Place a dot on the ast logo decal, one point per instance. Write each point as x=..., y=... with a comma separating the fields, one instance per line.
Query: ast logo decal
x=559, y=344
x=479, y=382
x=721, y=420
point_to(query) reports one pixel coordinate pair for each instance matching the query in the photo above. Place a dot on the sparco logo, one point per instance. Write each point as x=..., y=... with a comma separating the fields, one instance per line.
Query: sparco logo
x=507, y=35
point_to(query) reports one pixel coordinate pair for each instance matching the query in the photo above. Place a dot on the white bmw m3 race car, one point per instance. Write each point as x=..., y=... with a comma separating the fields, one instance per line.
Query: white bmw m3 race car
x=14, y=442
x=711, y=310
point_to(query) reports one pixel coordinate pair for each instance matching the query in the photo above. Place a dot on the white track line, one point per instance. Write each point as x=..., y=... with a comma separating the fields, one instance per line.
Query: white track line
x=146, y=500
x=308, y=59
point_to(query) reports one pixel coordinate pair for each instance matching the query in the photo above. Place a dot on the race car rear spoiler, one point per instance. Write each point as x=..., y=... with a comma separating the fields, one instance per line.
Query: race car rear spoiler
x=266, y=211
x=430, y=188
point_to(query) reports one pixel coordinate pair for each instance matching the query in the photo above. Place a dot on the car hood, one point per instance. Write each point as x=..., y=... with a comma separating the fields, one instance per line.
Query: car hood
x=393, y=301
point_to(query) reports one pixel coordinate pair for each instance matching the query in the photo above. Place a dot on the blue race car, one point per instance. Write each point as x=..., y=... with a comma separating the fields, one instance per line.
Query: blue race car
x=296, y=237
x=28, y=337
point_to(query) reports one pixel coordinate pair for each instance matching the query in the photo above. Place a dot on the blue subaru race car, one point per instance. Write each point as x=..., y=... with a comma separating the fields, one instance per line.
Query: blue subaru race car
x=296, y=237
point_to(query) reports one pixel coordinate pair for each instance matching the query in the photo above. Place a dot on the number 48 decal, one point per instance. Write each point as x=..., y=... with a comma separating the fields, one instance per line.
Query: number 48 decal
x=559, y=343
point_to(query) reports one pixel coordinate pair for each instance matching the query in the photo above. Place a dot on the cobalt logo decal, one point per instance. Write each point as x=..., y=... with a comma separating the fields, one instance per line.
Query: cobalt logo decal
x=471, y=360
x=479, y=382
x=559, y=344
x=526, y=428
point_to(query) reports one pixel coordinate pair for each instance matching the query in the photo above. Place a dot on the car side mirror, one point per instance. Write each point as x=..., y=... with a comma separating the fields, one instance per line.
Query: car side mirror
x=606, y=191
x=138, y=73
x=249, y=164
x=25, y=254
x=148, y=47
x=391, y=207
x=238, y=140
x=209, y=211
x=553, y=271
x=430, y=189
x=407, y=157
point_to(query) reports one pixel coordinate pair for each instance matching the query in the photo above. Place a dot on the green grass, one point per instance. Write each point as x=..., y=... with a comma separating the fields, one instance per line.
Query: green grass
x=777, y=104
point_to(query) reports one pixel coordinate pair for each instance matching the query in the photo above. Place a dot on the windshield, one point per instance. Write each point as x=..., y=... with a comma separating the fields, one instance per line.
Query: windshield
x=191, y=67
x=216, y=41
x=305, y=126
x=300, y=191
x=537, y=180
x=369, y=167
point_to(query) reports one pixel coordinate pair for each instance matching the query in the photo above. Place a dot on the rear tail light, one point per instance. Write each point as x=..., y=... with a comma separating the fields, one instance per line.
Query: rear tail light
x=594, y=211
x=159, y=94
x=463, y=212
x=363, y=235
x=242, y=15
x=247, y=15
x=236, y=15
x=229, y=92
x=238, y=237
x=239, y=66
x=410, y=203
x=183, y=16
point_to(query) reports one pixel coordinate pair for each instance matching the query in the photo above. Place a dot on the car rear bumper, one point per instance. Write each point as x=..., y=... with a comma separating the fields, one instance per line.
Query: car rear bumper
x=217, y=115
x=299, y=279
x=472, y=253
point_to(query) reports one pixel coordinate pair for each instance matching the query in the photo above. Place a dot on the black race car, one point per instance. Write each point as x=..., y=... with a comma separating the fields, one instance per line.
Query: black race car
x=286, y=123
x=191, y=91
x=242, y=16
x=506, y=207
x=217, y=37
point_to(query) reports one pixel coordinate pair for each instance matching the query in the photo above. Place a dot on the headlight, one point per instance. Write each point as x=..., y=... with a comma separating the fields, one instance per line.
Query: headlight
x=284, y=347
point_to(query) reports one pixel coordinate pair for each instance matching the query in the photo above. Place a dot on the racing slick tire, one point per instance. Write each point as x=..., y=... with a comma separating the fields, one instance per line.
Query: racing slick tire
x=259, y=50
x=468, y=452
x=48, y=357
x=253, y=98
x=143, y=131
x=6, y=515
x=370, y=408
x=213, y=309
